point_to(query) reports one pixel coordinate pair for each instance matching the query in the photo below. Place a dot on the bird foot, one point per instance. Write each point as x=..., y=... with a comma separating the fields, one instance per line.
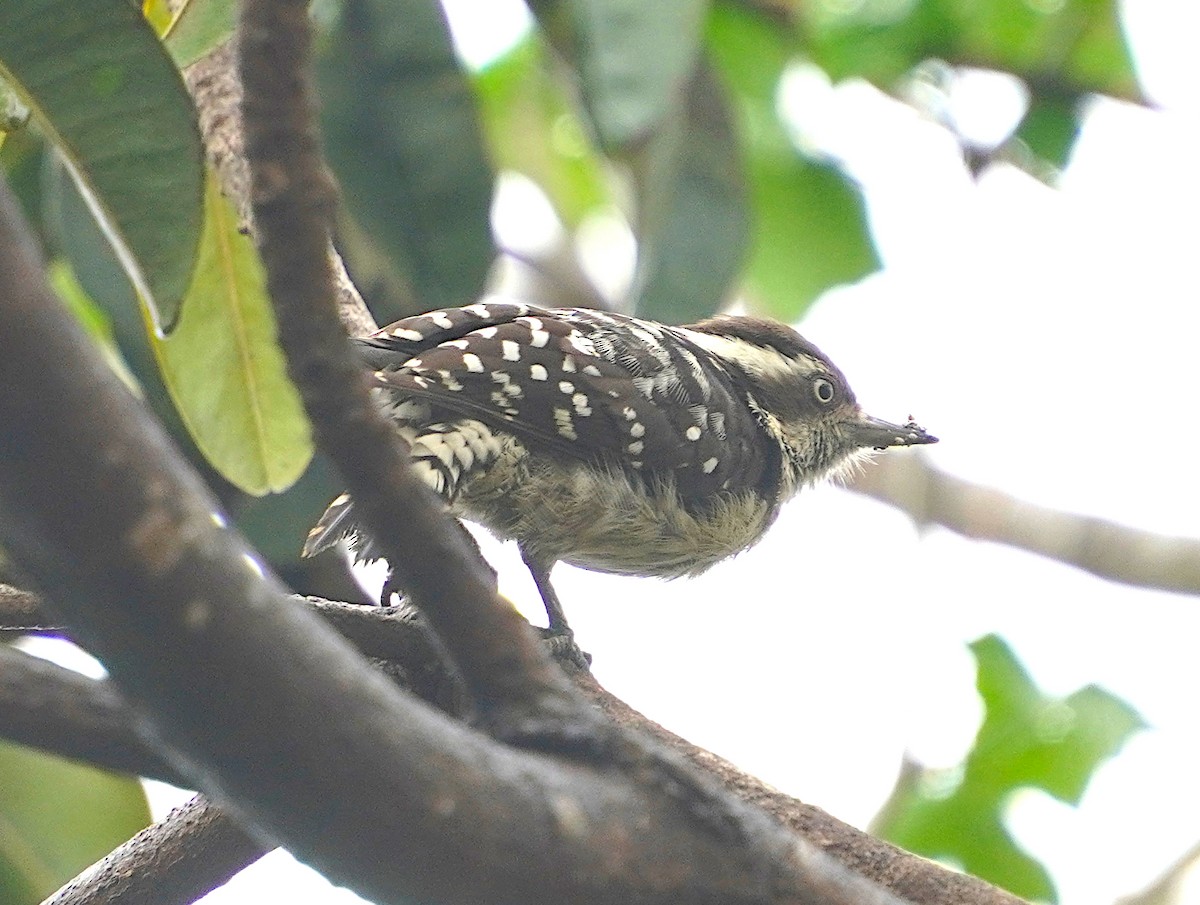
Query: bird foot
x=564, y=649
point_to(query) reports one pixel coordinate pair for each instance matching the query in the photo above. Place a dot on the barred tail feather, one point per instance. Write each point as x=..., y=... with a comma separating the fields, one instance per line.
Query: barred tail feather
x=335, y=524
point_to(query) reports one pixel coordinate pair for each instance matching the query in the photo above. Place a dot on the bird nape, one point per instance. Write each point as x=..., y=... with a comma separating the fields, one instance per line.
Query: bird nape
x=609, y=442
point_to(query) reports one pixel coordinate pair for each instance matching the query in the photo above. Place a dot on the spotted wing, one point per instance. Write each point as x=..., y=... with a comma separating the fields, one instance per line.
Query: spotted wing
x=587, y=385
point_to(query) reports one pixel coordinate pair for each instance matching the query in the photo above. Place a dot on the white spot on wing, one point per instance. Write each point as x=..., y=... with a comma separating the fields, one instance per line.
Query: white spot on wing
x=566, y=386
x=566, y=427
x=405, y=333
x=441, y=319
x=538, y=372
x=637, y=429
x=510, y=350
x=472, y=363
x=692, y=433
x=487, y=332
x=581, y=343
x=709, y=465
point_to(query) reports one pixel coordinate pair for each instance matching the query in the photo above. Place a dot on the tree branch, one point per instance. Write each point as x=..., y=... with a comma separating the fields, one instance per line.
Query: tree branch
x=188, y=853
x=22, y=613
x=46, y=706
x=1104, y=548
x=293, y=197
x=217, y=93
x=399, y=640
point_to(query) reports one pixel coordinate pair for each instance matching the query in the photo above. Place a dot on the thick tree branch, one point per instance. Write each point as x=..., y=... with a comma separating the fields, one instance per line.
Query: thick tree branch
x=217, y=93
x=397, y=639
x=1104, y=548
x=188, y=853
x=379, y=791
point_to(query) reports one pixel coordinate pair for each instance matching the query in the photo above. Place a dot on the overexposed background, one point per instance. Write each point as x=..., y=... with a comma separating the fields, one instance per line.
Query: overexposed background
x=1049, y=336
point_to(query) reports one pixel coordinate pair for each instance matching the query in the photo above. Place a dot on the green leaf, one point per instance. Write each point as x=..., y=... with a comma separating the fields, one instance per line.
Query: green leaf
x=810, y=231
x=200, y=26
x=1027, y=740
x=531, y=129
x=57, y=818
x=403, y=137
x=92, y=318
x=634, y=59
x=104, y=89
x=693, y=220
x=812, y=234
x=1069, y=49
x=1049, y=129
x=224, y=369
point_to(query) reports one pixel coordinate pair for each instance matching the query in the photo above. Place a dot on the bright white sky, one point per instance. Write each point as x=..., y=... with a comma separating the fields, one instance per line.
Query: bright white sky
x=1049, y=337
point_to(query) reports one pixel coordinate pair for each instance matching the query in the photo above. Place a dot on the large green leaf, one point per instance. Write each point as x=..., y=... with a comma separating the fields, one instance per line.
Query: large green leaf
x=634, y=58
x=655, y=105
x=1028, y=740
x=403, y=136
x=103, y=87
x=531, y=129
x=811, y=230
x=693, y=221
x=56, y=818
x=224, y=368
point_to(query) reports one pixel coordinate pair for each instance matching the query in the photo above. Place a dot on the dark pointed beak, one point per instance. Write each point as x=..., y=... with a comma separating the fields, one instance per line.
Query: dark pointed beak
x=879, y=434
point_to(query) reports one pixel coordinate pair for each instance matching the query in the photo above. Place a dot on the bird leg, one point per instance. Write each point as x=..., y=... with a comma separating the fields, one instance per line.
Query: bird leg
x=558, y=633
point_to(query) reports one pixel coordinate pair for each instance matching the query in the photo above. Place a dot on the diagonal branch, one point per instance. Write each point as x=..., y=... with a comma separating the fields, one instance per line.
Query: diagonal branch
x=1104, y=548
x=188, y=853
x=293, y=200
x=402, y=643
x=46, y=706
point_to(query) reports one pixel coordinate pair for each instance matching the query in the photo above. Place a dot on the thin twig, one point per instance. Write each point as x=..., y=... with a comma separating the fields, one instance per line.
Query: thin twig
x=1104, y=548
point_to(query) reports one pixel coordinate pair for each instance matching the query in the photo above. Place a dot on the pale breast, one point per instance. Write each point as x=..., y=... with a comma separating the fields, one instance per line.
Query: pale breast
x=607, y=522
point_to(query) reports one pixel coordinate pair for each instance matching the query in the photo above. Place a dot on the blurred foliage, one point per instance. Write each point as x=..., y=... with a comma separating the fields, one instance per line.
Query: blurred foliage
x=1062, y=51
x=56, y=818
x=532, y=128
x=1028, y=740
x=811, y=230
x=403, y=137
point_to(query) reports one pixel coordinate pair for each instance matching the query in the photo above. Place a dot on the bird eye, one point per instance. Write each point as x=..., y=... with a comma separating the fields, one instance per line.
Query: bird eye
x=824, y=391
